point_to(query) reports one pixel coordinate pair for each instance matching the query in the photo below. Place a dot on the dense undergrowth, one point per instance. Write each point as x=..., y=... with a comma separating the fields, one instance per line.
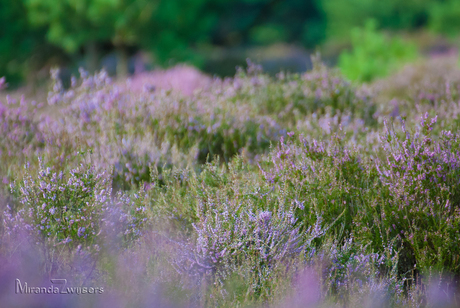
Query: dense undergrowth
x=295, y=191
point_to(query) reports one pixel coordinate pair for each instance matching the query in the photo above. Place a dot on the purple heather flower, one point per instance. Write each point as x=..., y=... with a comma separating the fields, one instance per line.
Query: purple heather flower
x=81, y=230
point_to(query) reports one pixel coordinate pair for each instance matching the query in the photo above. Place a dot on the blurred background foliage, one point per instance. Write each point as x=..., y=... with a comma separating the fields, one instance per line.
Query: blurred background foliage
x=38, y=34
x=374, y=54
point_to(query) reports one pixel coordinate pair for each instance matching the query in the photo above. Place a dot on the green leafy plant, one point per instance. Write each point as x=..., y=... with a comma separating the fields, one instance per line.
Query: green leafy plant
x=374, y=54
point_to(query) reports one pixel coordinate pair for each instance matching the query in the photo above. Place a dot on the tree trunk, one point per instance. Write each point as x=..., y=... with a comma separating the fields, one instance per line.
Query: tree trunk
x=91, y=56
x=122, y=62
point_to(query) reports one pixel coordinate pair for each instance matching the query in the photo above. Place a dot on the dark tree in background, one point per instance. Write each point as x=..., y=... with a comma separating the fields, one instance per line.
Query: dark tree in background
x=73, y=24
x=22, y=47
x=270, y=21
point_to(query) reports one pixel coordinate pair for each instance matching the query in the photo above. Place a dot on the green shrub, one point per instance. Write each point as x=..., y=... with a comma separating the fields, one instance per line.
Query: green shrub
x=74, y=208
x=374, y=55
x=422, y=182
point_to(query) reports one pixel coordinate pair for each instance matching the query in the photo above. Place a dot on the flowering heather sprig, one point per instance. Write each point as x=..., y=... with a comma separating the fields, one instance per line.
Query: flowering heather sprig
x=64, y=208
x=430, y=86
x=131, y=130
x=349, y=266
x=232, y=233
x=73, y=209
x=20, y=133
x=422, y=175
x=291, y=97
x=124, y=219
x=323, y=176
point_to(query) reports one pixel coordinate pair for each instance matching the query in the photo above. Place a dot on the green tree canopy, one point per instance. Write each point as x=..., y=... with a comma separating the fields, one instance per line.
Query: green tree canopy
x=168, y=27
x=445, y=17
x=343, y=15
x=18, y=41
x=72, y=24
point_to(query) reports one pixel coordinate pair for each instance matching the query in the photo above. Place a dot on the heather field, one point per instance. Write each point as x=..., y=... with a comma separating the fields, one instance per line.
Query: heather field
x=175, y=189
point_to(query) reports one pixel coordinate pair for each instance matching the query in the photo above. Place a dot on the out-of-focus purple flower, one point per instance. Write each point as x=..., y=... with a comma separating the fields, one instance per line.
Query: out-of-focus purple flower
x=3, y=84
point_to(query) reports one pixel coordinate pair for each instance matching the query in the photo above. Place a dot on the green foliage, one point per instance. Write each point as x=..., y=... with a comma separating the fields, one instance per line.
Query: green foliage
x=323, y=178
x=267, y=34
x=444, y=17
x=69, y=23
x=18, y=42
x=72, y=25
x=177, y=31
x=374, y=55
x=344, y=15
